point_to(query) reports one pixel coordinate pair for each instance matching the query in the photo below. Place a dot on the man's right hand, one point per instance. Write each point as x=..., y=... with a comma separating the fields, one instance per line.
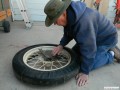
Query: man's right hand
x=57, y=50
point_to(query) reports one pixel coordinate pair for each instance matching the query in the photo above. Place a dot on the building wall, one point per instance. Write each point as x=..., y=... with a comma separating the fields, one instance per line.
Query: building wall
x=111, y=10
x=36, y=9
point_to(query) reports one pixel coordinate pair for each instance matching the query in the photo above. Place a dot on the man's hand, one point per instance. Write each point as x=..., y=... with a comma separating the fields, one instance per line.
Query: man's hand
x=81, y=79
x=57, y=50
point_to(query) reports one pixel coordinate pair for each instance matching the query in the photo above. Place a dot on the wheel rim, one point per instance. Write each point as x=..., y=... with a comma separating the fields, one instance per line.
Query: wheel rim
x=35, y=60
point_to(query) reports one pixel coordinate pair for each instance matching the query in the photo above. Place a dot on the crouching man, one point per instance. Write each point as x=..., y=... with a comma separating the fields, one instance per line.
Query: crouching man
x=96, y=37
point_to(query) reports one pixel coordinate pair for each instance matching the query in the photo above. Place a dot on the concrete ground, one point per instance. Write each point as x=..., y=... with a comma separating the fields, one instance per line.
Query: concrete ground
x=19, y=38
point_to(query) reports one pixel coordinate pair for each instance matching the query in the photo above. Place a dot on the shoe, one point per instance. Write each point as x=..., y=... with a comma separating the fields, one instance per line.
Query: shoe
x=116, y=50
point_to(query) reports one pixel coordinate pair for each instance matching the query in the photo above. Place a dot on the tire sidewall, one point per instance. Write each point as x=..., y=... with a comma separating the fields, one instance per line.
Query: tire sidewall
x=33, y=76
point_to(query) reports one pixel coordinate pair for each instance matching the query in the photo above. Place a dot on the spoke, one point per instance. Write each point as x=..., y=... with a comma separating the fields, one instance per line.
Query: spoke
x=51, y=65
x=31, y=63
x=34, y=54
x=62, y=58
x=42, y=65
x=59, y=63
x=36, y=63
x=44, y=68
x=63, y=61
x=30, y=59
x=55, y=66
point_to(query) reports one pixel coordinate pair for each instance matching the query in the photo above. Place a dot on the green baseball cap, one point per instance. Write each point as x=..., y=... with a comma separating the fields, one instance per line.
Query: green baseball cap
x=53, y=9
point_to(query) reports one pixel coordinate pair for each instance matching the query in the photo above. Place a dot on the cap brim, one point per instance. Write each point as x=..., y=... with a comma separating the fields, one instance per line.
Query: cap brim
x=49, y=21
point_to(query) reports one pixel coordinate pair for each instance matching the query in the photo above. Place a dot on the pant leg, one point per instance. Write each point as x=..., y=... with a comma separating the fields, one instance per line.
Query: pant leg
x=103, y=56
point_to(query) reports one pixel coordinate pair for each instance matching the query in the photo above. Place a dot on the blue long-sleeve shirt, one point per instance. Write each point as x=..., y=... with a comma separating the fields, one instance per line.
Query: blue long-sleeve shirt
x=89, y=29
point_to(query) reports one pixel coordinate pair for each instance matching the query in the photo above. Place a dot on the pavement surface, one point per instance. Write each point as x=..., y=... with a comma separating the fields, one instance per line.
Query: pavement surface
x=19, y=38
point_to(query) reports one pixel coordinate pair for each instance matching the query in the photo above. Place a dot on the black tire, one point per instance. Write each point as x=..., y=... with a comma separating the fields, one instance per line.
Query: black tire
x=44, y=78
x=6, y=26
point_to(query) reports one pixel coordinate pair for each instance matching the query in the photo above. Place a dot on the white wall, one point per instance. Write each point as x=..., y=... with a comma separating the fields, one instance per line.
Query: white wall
x=35, y=9
x=111, y=10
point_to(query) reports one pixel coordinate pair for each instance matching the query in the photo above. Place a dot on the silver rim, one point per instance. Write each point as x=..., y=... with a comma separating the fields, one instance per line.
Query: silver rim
x=40, y=58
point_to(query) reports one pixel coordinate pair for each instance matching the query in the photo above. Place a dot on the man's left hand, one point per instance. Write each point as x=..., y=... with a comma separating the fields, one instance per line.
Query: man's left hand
x=81, y=79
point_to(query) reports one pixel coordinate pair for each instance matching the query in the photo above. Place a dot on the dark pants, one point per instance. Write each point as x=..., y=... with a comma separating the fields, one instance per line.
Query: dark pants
x=103, y=56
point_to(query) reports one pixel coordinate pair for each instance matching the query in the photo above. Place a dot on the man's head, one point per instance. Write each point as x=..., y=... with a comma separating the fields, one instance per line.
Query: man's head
x=61, y=20
x=56, y=12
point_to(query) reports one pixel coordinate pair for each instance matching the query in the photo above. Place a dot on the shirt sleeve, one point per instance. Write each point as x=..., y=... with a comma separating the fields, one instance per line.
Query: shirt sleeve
x=86, y=39
x=65, y=39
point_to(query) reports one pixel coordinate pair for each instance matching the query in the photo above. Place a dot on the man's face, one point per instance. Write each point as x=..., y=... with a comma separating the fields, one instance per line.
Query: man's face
x=62, y=20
